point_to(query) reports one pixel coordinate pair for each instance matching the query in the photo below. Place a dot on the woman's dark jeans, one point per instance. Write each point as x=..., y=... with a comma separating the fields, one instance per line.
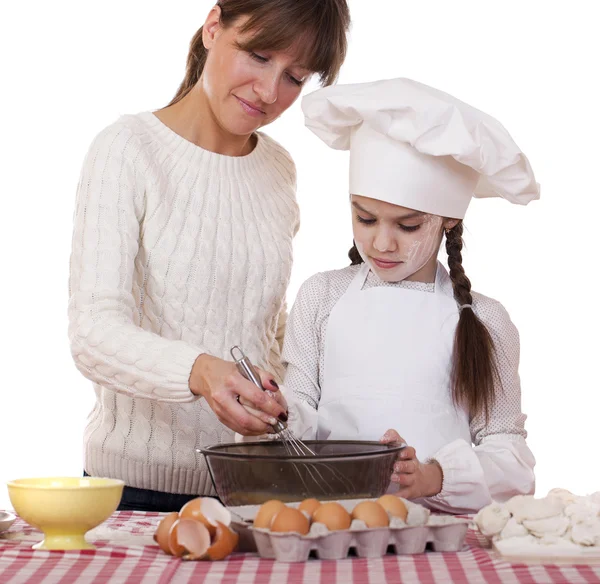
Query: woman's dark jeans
x=134, y=499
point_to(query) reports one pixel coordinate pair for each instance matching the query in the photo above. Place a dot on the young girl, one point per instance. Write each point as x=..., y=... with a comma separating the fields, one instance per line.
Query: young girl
x=394, y=341
x=182, y=248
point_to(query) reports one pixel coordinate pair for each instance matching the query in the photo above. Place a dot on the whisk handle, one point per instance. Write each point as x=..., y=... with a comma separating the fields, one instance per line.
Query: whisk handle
x=246, y=368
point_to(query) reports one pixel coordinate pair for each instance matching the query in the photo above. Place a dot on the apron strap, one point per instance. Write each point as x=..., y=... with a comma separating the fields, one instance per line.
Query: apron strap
x=359, y=280
x=443, y=284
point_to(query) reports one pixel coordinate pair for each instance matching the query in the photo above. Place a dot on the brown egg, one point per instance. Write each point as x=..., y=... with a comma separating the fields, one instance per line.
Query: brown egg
x=333, y=516
x=207, y=510
x=161, y=535
x=290, y=520
x=394, y=506
x=309, y=506
x=372, y=513
x=266, y=512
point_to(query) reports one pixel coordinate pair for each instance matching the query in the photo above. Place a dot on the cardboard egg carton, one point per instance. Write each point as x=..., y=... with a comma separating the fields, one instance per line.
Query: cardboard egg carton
x=447, y=536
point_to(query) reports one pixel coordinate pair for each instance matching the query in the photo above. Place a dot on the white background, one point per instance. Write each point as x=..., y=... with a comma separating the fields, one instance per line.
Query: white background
x=71, y=68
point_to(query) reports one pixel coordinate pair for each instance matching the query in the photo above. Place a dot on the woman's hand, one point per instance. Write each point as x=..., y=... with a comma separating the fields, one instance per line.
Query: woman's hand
x=222, y=385
x=416, y=479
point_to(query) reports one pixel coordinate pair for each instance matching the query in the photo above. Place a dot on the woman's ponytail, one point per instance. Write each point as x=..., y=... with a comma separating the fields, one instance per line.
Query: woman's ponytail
x=194, y=66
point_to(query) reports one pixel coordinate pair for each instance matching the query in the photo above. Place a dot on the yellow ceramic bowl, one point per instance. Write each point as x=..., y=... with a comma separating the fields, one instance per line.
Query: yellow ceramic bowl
x=65, y=508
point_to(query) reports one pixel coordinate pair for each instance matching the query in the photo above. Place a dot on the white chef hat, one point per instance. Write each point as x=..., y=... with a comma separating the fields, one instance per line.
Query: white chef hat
x=420, y=148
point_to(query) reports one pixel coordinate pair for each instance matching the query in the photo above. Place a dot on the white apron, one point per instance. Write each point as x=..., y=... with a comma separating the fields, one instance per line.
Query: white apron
x=387, y=365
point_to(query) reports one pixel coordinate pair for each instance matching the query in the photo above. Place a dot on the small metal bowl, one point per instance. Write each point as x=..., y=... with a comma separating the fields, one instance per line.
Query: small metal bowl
x=252, y=473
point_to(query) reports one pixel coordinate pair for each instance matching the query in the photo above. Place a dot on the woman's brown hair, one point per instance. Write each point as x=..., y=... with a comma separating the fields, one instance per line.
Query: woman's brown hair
x=321, y=25
x=474, y=366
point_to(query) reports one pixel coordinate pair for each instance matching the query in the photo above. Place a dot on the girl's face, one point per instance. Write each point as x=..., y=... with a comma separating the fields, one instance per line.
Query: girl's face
x=246, y=90
x=397, y=243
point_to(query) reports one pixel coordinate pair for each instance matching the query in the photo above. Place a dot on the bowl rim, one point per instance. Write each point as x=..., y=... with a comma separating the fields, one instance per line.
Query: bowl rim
x=386, y=449
x=17, y=484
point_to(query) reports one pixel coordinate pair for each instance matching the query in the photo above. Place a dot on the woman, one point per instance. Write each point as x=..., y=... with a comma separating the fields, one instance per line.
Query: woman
x=182, y=248
x=394, y=341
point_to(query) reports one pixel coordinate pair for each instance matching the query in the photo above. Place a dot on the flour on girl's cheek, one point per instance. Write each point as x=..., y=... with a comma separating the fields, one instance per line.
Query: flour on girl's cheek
x=413, y=250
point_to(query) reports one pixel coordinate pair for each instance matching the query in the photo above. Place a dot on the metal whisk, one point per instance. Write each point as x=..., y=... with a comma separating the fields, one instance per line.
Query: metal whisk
x=293, y=445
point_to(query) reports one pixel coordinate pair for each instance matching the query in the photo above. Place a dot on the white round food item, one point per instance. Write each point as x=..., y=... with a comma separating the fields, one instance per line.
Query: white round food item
x=582, y=510
x=564, y=495
x=492, y=519
x=358, y=524
x=513, y=529
x=564, y=543
x=549, y=526
x=417, y=514
x=586, y=533
x=517, y=543
x=595, y=497
x=516, y=502
x=527, y=507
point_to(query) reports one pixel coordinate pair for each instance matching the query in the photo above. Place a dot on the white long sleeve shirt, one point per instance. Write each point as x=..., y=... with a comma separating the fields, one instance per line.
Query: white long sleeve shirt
x=496, y=465
x=177, y=251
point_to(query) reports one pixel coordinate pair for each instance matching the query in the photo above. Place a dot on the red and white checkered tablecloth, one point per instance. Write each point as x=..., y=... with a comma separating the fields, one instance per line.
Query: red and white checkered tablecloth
x=125, y=553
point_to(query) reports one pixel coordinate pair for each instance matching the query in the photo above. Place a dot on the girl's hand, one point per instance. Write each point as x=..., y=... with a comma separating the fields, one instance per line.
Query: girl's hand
x=223, y=387
x=416, y=479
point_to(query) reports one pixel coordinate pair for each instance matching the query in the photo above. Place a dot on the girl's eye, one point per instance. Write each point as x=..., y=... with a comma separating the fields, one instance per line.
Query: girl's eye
x=295, y=81
x=365, y=221
x=258, y=57
x=409, y=229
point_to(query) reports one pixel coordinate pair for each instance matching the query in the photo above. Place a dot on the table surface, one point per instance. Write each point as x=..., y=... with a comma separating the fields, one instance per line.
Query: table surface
x=126, y=553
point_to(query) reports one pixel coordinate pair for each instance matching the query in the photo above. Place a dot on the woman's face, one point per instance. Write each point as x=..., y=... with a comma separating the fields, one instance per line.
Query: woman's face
x=397, y=243
x=246, y=90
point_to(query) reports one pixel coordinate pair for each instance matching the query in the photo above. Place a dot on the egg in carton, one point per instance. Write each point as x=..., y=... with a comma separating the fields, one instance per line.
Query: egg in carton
x=373, y=528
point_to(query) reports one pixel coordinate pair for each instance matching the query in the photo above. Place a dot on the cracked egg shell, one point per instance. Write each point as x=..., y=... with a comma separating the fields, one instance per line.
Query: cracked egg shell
x=161, y=535
x=225, y=542
x=175, y=547
x=194, y=537
x=208, y=511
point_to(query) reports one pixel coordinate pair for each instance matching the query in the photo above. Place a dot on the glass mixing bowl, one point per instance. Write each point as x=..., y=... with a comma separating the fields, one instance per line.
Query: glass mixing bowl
x=252, y=473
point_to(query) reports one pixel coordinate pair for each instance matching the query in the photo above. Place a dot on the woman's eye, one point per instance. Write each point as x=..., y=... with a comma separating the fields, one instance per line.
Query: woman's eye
x=409, y=228
x=258, y=57
x=365, y=221
x=295, y=81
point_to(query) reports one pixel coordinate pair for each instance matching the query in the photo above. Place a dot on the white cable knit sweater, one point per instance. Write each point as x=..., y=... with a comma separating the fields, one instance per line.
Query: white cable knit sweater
x=177, y=251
